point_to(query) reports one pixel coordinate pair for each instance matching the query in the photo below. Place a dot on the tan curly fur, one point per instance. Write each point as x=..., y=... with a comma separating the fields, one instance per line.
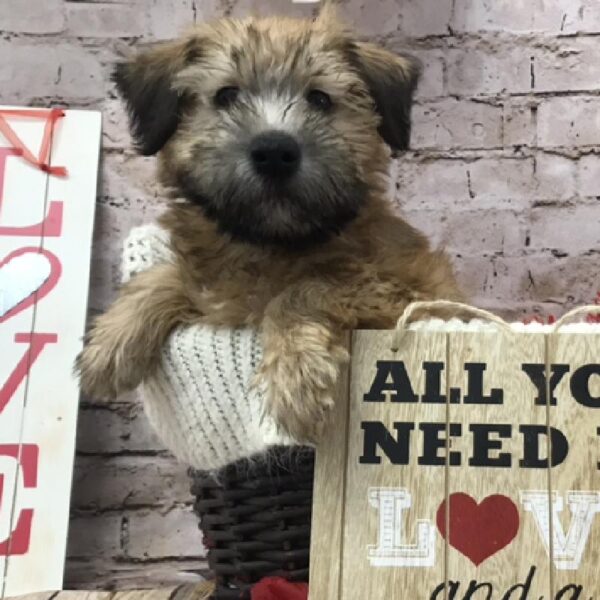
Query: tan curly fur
x=325, y=256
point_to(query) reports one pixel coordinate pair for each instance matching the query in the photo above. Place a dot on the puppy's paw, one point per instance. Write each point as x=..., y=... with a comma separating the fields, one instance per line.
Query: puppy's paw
x=299, y=383
x=94, y=369
x=105, y=367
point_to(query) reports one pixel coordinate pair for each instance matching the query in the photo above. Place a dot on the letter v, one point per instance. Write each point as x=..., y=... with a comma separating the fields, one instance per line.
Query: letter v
x=567, y=548
x=36, y=342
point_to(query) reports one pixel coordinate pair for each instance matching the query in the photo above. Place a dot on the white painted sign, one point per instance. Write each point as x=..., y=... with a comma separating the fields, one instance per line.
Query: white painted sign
x=48, y=173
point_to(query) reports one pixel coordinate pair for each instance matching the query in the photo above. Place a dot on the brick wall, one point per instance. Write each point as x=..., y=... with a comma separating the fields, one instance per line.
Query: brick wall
x=504, y=173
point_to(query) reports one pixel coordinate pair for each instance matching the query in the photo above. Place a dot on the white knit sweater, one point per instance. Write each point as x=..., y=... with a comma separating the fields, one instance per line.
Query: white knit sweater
x=200, y=402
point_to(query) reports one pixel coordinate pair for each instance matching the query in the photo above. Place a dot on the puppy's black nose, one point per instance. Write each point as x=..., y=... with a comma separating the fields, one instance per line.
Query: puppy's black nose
x=275, y=154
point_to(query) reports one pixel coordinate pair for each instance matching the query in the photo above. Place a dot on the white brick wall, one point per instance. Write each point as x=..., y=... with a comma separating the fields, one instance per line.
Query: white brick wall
x=565, y=122
x=504, y=172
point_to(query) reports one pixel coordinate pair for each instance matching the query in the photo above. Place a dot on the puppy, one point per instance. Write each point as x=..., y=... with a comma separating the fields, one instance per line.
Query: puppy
x=274, y=138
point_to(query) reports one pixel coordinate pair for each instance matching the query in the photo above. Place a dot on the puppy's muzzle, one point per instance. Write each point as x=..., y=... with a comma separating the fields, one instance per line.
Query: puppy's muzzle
x=275, y=155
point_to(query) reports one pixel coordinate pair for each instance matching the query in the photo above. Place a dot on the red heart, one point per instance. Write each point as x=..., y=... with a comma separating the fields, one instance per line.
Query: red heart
x=479, y=530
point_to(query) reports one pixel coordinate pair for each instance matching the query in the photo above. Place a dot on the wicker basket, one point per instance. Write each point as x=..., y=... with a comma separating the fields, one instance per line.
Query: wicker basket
x=255, y=517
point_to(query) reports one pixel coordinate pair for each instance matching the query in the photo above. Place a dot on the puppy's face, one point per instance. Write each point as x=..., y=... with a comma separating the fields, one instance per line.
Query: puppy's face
x=276, y=128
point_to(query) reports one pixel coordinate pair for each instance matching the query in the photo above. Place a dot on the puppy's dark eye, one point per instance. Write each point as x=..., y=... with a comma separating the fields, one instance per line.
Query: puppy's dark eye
x=319, y=99
x=226, y=96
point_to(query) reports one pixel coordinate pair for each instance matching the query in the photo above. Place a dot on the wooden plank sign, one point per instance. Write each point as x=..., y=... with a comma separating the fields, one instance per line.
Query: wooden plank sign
x=448, y=476
x=48, y=173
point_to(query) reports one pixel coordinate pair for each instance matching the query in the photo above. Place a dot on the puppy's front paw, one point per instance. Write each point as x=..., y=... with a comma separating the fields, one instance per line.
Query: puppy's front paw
x=95, y=373
x=105, y=367
x=299, y=386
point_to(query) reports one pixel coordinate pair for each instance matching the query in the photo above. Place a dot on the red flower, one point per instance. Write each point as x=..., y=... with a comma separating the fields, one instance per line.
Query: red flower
x=591, y=318
x=595, y=318
x=536, y=319
x=277, y=588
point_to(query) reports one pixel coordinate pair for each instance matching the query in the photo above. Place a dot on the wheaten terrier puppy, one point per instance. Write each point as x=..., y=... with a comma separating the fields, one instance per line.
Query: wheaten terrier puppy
x=274, y=138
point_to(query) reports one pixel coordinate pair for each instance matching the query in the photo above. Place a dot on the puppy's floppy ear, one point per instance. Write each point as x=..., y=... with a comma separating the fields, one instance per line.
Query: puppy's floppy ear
x=145, y=83
x=391, y=80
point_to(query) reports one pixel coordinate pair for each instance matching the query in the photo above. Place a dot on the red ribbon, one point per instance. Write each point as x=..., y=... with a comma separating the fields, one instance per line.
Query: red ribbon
x=41, y=161
x=277, y=588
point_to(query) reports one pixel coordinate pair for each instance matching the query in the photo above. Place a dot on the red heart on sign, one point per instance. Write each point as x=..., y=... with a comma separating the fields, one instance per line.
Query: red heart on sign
x=479, y=530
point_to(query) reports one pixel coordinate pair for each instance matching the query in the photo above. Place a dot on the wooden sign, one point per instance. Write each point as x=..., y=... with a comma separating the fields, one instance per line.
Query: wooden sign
x=48, y=172
x=448, y=476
